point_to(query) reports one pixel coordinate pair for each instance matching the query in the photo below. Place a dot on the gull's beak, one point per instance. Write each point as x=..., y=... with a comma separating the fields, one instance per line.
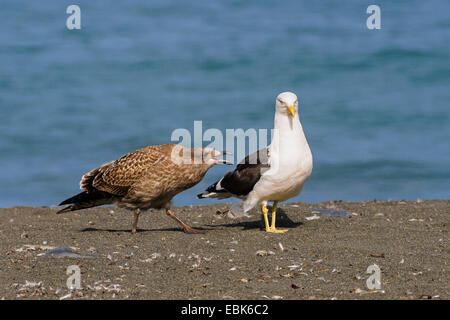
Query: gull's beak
x=218, y=153
x=291, y=110
x=223, y=161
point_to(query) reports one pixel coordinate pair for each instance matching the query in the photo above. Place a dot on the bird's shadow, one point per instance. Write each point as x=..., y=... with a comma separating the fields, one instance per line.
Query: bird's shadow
x=282, y=221
x=138, y=230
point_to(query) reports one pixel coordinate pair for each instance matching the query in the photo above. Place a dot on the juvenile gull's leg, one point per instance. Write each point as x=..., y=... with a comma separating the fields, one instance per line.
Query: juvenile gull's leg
x=137, y=212
x=185, y=227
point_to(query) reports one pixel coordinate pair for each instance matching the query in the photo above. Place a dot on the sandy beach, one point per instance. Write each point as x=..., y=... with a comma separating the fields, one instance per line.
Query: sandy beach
x=320, y=257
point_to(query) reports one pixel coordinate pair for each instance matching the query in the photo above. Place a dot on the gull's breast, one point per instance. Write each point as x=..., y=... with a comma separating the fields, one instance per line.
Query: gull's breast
x=286, y=177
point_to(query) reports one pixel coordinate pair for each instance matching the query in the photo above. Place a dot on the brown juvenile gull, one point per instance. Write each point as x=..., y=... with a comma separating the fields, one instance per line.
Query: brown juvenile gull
x=146, y=178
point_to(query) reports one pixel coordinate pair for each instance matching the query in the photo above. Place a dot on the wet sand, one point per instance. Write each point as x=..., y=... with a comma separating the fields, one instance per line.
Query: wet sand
x=318, y=258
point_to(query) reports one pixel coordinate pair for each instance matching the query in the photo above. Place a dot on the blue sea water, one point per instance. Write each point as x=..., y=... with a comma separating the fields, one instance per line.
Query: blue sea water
x=374, y=104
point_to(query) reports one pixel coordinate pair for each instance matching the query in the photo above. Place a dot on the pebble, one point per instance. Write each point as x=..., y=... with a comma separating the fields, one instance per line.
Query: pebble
x=314, y=217
x=264, y=253
x=293, y=267
x=67, y=296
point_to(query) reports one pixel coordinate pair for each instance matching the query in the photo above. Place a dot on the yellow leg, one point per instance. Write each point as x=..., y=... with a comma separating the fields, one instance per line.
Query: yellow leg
x=274, y=214
x=266, y=220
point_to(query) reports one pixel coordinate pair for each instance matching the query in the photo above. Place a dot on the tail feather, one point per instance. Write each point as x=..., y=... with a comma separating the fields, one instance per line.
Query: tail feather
x=82, y=196
x=86, y=200
x=215, y=191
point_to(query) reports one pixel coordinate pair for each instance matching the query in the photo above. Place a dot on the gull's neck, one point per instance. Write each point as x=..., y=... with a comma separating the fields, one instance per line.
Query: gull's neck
x=288, y=132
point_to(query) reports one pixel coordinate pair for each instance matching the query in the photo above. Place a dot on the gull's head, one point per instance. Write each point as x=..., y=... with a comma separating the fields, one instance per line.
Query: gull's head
x=287, y=103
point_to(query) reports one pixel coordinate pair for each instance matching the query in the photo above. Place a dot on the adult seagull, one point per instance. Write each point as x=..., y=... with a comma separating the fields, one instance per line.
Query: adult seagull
x=276, y=173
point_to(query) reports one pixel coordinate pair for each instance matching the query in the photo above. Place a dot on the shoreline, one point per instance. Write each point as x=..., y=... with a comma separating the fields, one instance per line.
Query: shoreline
x=319, y=257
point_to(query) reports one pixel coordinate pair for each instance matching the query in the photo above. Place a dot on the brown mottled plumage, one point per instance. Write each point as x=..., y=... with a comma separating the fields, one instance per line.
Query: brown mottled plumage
x=146, y=178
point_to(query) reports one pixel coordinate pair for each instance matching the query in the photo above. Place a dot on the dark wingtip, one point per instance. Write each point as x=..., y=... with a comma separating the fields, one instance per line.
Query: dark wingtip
x=200, y=196
x=63, y=203
x=66, y=209
x=75, y=199
x=68, y=201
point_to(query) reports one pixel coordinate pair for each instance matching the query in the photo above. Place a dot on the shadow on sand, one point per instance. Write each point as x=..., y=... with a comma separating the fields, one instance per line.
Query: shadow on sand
x=138, y=230
x=283, y=221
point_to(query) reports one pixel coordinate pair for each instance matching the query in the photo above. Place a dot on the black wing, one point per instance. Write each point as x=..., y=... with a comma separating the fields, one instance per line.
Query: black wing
x=241, y=181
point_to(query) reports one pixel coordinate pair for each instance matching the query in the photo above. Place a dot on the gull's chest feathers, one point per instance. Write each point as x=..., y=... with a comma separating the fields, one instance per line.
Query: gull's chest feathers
x=290, y=171
x=290, y=166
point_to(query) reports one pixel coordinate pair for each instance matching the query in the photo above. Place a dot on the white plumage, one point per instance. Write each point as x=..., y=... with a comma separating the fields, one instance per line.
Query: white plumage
x=279, y=178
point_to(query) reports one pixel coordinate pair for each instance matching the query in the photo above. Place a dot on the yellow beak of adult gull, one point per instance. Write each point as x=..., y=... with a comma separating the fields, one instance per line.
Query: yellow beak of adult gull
x=291, y=110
